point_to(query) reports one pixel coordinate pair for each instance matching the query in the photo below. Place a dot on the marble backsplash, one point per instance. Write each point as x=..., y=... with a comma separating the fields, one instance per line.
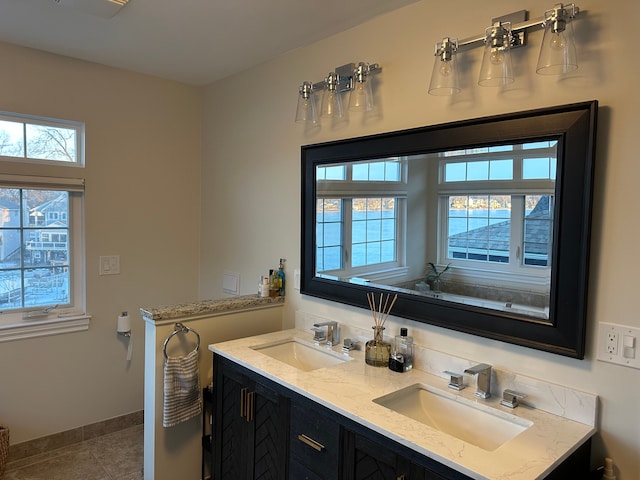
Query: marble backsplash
x=552, y=398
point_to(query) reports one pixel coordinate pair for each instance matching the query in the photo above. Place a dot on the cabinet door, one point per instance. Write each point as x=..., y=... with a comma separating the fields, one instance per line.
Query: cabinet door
x=268, y=422
x=250, y=426
x=367, y=460
x=230, y=438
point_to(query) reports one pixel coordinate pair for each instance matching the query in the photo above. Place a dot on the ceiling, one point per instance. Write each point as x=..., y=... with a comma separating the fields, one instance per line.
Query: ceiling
x=191, y=41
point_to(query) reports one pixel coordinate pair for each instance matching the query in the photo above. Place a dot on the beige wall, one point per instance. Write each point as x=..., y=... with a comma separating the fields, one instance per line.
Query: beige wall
x=251, y=174
x=142, y=202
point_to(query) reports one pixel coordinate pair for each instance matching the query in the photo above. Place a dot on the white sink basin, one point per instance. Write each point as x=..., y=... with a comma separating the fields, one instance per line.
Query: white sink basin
x=467, y=420
x=301, y=354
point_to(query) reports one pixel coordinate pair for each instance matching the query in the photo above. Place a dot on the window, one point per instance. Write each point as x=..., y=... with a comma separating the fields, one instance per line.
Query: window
x=486, y=226
x=358, y=230
x=41, y=231
x=41, y=140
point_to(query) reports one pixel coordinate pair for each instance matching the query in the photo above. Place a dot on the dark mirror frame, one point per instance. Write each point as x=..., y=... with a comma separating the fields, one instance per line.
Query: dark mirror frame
x=574, y=126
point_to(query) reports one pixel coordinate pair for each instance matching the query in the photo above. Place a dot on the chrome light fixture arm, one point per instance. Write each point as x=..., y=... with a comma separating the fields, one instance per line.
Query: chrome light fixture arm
x=557, y=55
x=559, y=15
x=345, y=76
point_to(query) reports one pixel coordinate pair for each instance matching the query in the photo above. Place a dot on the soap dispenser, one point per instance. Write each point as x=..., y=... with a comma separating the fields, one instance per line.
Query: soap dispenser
x=401, y=358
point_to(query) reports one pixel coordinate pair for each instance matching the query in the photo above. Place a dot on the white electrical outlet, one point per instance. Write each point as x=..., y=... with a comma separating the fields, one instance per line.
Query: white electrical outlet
x=611, y=345
x=610, y=337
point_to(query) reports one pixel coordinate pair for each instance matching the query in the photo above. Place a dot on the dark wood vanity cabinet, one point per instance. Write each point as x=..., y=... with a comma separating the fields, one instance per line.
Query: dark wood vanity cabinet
x=250, y=439
x=265, y=431
x=262, y=430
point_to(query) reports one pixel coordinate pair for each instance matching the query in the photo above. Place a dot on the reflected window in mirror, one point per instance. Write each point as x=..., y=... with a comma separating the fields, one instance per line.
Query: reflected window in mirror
x=495, y=223
x=487, y=214
x=361, y=219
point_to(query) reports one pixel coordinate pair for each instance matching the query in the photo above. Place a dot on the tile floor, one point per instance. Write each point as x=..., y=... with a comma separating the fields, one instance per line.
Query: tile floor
x=115, y=456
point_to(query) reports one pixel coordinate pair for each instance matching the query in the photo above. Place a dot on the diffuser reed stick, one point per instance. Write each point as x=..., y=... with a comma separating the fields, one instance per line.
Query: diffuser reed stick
x=380, y=314
x=377, y=350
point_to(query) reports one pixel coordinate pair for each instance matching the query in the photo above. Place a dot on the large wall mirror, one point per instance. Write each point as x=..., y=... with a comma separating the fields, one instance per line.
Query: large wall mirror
x=480, y=226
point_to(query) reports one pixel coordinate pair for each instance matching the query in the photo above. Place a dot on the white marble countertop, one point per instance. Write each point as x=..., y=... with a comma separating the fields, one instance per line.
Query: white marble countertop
x=349, y=388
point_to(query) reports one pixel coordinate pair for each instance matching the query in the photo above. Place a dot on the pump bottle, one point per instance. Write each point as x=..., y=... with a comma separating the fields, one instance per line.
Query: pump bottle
x=280, y=274
x=401, y=358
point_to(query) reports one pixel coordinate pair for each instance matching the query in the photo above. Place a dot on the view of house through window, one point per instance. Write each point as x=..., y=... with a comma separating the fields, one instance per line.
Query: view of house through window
x=34, y=248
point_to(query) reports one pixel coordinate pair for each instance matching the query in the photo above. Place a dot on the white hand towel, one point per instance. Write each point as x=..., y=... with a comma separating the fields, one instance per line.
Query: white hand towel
x=182, y=398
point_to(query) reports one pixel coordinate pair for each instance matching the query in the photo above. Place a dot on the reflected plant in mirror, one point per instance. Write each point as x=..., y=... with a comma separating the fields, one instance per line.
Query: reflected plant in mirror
x=501, y=204
x=434, y=276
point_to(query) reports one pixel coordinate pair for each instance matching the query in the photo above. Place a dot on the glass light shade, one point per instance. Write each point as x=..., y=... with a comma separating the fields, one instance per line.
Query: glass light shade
x=558, y=50
x=306, y=110
x=331, y=104
x=444, y=77
x=496, y=69
x=361, y=98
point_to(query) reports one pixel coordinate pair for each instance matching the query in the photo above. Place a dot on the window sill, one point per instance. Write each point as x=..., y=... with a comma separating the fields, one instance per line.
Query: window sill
x=41, y=328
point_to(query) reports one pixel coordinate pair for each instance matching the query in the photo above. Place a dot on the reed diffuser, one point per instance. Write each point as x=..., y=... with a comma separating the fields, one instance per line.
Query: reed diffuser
x=377, y=350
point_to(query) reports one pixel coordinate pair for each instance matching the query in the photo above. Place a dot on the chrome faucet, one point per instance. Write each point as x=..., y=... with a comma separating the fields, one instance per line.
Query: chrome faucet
x=332, y=336
x=483, y=373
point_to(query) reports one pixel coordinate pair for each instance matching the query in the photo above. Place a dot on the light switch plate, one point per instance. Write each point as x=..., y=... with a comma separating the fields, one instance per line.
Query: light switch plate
x=109, y=265
x=618, y=344
x=296, y=279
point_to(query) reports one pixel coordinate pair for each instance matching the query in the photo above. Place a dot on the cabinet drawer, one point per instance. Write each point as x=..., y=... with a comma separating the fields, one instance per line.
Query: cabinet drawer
x=301, y=472
x=314, y=440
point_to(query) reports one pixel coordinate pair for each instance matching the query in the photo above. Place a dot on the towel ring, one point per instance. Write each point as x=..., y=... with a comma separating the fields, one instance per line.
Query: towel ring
x=179, y=328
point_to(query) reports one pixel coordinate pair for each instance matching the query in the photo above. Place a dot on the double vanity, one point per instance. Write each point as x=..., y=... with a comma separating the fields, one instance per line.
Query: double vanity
x=287, y=407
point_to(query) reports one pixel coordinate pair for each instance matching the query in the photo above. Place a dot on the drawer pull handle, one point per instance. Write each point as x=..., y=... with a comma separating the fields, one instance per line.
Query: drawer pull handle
x=243, y=402
x=311, y=442
x=250, y=405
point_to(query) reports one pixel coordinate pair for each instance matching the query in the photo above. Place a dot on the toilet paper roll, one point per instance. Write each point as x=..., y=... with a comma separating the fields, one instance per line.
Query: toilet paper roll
x=130, y=348
x=124, y=323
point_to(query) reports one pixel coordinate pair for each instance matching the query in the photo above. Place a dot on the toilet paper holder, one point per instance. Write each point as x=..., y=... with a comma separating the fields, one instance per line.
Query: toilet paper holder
x=124, y=325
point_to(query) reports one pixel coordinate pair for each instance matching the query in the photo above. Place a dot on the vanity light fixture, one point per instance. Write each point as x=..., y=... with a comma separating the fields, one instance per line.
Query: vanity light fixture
x=361, y=99
x=331, y=97
x=557, y=53
x=496, y=69
x=444, y=76
x=306, y=111
x=350, y=77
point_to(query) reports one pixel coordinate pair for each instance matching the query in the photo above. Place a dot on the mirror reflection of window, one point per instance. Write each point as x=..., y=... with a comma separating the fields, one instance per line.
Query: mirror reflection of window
x=360, y=216
x=486, y=211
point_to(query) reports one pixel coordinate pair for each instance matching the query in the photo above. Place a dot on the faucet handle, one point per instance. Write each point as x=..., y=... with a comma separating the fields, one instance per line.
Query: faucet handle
x=455, y=380
x=510, y=398
x=349, y=344
x=318, y=334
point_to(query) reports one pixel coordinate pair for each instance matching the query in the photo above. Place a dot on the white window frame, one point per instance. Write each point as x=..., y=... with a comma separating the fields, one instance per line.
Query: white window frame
x=51, y=122
x=346, y=190
x=533, y=278
x=32, y=322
